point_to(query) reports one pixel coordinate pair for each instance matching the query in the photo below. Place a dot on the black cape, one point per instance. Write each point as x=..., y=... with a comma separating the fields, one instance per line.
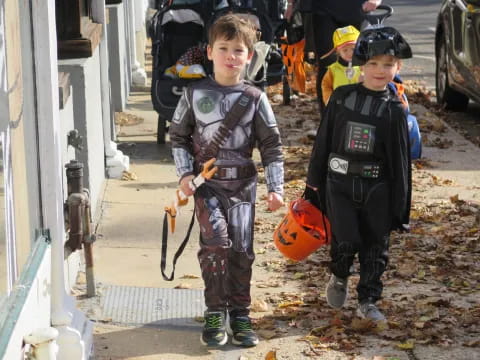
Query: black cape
x=392, y=147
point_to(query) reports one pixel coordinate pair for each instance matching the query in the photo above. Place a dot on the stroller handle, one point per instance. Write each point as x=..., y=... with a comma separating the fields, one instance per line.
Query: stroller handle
x=378, y=16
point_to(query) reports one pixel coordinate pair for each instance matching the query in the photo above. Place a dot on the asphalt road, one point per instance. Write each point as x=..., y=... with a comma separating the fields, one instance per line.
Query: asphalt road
x=416, y=20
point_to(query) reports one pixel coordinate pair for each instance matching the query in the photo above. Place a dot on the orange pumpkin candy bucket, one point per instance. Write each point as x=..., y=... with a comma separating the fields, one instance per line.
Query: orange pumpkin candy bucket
x=303, y=230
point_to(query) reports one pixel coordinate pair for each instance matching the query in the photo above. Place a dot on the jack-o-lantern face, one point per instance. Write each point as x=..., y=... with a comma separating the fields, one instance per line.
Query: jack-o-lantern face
x=302, y=231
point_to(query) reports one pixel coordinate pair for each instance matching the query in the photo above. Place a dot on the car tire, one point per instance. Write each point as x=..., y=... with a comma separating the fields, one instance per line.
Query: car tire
x=447, y=96
x=161, y=130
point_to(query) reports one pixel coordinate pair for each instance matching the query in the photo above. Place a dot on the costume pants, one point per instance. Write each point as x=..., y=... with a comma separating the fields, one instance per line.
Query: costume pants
x=226, y=252
x=360, y=216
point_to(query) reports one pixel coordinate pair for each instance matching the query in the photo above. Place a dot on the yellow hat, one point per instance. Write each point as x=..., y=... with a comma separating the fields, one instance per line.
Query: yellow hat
x=343, y=36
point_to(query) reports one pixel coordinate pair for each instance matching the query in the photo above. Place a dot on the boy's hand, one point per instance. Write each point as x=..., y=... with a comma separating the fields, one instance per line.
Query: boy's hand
x=184, y=185
x=370, y=5
x=274, y=201
x=289, y=11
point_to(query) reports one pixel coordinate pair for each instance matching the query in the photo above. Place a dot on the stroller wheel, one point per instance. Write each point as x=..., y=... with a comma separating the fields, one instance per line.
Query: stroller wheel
x=286, y=91
x=161, y=130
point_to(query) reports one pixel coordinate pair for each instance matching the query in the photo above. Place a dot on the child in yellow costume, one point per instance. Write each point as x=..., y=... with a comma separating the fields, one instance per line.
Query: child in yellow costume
x=341, y=72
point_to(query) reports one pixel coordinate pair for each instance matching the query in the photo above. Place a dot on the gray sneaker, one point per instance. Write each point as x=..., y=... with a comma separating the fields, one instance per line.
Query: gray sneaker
x=337, y=291
x=214, y=331
x=368, y=310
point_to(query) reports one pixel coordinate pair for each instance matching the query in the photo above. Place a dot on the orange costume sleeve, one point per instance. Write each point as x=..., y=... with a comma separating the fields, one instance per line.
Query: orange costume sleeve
x=327, y=86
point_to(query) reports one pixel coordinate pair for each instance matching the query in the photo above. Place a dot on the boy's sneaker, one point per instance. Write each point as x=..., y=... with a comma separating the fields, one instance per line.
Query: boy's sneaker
x=337, y=291
x=368, y=310
x=214, y=331
x=242, y=331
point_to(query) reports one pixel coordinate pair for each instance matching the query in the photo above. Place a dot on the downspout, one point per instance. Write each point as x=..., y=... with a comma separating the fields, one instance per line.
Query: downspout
x=79, y=214
x=69, y=340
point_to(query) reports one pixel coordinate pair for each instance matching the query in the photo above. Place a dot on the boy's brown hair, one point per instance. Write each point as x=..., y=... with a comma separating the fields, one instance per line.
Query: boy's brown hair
x=231, y=26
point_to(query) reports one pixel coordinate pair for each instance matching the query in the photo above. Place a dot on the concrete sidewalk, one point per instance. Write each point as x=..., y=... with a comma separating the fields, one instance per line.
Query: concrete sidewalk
x=138, y=315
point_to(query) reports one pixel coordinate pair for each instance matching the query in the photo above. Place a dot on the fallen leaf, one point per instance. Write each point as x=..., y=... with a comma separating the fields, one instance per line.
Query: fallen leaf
x=409, y=345
x=472, y=343
x=271, y=355
x=127, y=175
x=259, y=305
x=454, y=199
x=299, y=275
x=337, y=321
x=362, y=325
x=419, y=324
x=183, y=286
x=190, y=276
x=290, y=303
x=267, y=334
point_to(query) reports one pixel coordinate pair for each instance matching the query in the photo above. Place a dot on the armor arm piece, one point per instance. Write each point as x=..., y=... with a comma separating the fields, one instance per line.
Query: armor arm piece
x=183, y=123
x=274, y=177
x=265, y=111
x=401, y=169
x=183, y=162
x=181, y=130
x=266, y=132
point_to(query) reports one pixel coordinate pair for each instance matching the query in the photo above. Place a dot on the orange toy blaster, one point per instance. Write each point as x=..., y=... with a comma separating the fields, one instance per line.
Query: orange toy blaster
x=181, y=199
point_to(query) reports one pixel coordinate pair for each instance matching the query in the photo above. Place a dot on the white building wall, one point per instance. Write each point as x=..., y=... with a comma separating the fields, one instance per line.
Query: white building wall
x=35, y=313
x=87, y=113
x=46, y=301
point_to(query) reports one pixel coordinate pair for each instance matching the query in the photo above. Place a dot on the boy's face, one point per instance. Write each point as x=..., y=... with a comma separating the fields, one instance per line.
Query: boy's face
x=346, y=52
x=229, y=59
x=379, y=71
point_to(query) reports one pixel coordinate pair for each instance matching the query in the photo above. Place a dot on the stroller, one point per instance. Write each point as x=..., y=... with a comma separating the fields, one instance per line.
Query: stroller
x=179, y=30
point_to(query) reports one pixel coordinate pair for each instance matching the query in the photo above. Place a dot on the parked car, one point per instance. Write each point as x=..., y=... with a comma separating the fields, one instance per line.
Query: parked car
x=457, y=44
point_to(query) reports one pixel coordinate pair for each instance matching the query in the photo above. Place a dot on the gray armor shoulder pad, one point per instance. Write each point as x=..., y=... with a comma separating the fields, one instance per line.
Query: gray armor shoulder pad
x=265, y=111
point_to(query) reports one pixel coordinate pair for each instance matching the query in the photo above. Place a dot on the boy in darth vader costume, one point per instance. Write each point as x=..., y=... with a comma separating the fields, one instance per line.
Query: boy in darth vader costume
x=360, y=170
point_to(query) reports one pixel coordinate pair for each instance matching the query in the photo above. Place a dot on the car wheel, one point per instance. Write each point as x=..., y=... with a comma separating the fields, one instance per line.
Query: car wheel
x=161, y=130
x=450, y=98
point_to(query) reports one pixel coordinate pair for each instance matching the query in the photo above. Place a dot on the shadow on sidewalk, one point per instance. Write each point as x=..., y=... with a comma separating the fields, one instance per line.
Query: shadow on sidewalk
x=144, y=151
x=149, y=341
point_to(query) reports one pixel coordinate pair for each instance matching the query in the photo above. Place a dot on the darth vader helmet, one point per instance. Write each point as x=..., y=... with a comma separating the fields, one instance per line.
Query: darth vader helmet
x=380, y=41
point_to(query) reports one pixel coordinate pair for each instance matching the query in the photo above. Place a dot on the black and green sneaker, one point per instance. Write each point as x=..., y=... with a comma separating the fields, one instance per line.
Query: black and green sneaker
x=242, y=331
x=214, y=331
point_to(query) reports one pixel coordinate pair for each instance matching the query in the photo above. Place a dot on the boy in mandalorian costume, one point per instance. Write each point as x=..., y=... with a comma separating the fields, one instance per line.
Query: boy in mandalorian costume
x=360, y=170
x=225, y=205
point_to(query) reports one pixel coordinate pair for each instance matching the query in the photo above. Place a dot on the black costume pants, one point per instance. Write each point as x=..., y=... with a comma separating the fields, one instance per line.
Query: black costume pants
x=226, y=254
x=360, y=216
x=323, y=27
